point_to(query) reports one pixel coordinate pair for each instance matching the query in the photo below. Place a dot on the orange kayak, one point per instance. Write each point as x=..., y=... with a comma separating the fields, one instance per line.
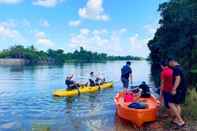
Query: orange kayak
x=137, y=116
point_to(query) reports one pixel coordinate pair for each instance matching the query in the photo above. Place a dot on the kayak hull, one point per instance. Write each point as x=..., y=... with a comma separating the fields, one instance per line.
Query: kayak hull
x=137, y=116
x=82, y=90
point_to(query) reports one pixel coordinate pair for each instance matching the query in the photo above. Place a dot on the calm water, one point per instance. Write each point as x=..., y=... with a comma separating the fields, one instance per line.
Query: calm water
x=26, y=101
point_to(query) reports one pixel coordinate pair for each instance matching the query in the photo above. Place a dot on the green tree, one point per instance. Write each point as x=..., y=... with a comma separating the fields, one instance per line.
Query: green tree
x=177, y=33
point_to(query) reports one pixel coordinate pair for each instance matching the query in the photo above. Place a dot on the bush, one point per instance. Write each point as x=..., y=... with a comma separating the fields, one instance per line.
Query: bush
x=193, y=77
x=190, y=106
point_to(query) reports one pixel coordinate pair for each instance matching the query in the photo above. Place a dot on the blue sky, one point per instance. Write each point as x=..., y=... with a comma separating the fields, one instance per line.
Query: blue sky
x=118, y=27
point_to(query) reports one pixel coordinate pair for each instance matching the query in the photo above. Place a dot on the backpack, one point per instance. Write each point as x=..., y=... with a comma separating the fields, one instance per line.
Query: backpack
x=138, y=105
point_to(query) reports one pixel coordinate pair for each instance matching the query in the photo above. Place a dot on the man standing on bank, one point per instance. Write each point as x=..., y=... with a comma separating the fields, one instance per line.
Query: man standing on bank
x=178, y=91
x=126, y=74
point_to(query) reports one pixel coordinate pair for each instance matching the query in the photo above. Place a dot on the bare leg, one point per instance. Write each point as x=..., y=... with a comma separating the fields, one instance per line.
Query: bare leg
x=176, y=113
x=171, y=114
x=125, y=90
x=178, y=109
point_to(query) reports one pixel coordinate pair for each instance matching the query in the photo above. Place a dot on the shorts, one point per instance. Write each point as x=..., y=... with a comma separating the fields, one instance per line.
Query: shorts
x=72, y=87
x=179, y=97
x=168, y=98
x=125, y=82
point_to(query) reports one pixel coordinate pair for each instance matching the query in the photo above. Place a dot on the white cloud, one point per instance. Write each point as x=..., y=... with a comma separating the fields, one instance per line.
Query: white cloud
x=47, y=3
x=138, y=46
x=44, y=23
x=26, y=23
x=134, y=39
x=151, y=29
x=99, y=40
x=94, y=11
x=123, y=30
x=75, y=23
x=8, y=31
x=43, y=40
x=10, y=1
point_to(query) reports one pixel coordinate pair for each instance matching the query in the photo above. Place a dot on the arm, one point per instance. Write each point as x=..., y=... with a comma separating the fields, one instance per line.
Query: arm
x=131, y=77
x=161, y=87
x=176, y=84
x=161, y=91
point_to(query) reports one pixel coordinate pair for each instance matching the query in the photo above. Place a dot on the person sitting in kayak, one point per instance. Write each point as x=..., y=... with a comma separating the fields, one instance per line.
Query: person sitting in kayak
x=92, y=79
x=95, y=80
x=71, y=84
x=100, y=79
x=145, y=90
x=126, y=73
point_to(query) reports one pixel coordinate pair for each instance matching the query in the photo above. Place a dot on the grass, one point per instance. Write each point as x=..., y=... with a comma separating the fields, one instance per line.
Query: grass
x=189, y=112
x=190, y=106
x=194, y=71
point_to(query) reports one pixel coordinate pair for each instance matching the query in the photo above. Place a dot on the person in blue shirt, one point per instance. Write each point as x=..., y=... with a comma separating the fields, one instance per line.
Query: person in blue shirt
x=126, y=74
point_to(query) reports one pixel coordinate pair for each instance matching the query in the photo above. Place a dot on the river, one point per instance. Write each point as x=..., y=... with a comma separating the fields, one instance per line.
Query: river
x=26, y=101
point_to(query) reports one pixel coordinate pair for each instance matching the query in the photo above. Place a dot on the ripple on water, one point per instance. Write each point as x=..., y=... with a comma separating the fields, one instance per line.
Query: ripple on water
x=26, y=100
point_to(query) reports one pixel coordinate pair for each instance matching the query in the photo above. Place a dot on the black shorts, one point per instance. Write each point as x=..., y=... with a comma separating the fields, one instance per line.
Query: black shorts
x=168, y=98
x=72, y=87
x=179, y=98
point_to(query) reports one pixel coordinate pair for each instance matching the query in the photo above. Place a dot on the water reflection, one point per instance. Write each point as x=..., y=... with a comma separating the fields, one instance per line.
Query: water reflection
x=26, y=100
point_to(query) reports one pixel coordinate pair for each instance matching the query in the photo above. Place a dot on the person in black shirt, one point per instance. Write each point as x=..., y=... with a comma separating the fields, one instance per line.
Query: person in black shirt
x=71, y=84
x=145, y=90
x=179, y=91
x=126, y=73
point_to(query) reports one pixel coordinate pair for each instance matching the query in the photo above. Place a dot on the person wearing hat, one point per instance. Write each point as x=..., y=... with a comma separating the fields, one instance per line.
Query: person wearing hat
x=71, y=84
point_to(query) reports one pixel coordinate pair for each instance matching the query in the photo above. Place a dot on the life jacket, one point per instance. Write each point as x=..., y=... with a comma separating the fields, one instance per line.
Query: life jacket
x=128, y=97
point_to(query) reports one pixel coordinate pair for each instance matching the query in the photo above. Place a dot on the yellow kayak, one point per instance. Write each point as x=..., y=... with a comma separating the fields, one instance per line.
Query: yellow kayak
x=82, y=90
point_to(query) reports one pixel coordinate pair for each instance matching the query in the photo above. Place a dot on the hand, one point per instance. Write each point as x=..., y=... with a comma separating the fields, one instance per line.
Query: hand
x=173, y=92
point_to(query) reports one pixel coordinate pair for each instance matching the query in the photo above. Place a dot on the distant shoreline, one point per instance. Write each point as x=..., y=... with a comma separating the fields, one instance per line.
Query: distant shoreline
x=20, y=55
x=23, y=62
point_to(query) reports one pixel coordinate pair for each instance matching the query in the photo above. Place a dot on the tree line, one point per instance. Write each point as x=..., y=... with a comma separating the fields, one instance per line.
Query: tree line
x=34, y=56
x=177, y=34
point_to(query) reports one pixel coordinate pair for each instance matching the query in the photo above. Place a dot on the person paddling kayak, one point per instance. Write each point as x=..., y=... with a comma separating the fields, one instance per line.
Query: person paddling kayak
x=126, y=73
x=71, y=84
x=95, y=80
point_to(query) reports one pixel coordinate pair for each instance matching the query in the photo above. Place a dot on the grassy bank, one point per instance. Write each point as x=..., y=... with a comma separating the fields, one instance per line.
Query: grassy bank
x=189, y=110
x=190, y=106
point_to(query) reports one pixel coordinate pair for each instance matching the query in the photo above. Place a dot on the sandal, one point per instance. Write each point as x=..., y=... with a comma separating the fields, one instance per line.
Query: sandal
x=174, y=121
x=178, y=125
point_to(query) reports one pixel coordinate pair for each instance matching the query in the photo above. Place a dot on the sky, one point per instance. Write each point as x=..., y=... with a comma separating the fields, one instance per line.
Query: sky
x=115, y=27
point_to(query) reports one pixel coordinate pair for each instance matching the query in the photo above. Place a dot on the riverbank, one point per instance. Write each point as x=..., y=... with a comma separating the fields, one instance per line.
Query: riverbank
x=11, y=61
x=23, y=62
x=189, y=115
x=57, y=57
